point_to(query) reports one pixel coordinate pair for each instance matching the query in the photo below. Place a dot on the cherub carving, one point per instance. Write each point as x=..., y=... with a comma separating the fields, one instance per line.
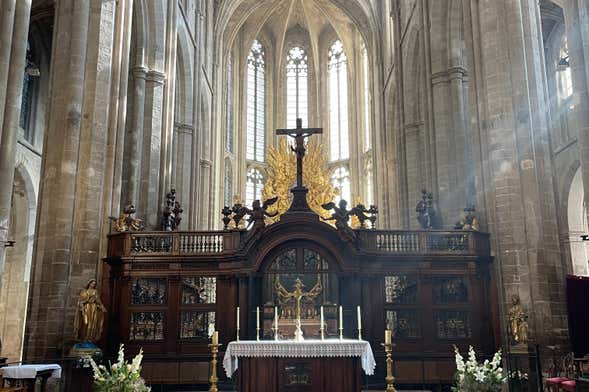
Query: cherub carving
x=363, y=214
x=341, y=215
x=258, y=213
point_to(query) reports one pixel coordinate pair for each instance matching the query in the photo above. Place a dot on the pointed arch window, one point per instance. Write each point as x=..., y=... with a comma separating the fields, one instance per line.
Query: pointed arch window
x=337, y=70
x=564, y=77
x=229, y=107
x=367, y=106
x=255, y=103
x=296, y=86
x=228, y=183
x=253, y=186
x=341, y=181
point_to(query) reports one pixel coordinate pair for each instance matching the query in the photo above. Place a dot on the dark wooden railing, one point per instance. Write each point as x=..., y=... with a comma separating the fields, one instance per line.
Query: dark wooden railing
x=460, y=242
x=401, y=242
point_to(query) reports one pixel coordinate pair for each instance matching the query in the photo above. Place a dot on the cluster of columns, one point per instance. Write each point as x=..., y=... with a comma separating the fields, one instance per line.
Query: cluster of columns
x=14, y=30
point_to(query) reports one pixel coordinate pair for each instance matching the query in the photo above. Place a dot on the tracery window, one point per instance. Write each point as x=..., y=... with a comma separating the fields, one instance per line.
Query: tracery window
x=564, y=77
x=367, y=106
x=296, y=86
x=341, y=181
x=338, y=102
x=255, y=103
x=28, y=88
x=229, y=107
x=253, y=186
x=228, y=183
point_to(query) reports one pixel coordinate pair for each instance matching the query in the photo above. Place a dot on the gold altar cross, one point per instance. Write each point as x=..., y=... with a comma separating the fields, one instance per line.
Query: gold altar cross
x=297, y=294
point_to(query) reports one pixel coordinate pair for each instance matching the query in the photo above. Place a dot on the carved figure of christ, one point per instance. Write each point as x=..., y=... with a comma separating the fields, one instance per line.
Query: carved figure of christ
x=299, y=134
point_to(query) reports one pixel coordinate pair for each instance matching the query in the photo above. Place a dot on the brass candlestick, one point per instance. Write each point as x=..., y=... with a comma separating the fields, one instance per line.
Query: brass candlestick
x=258, y=334
x=237, y=334
x=213, y=379
x=359, y=333
x=388, y=349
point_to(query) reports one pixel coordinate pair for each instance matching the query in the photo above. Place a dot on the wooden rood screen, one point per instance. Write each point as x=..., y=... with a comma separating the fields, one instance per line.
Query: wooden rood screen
x=432, y=287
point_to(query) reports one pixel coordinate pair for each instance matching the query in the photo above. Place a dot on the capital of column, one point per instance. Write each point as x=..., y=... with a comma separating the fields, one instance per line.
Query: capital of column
x=139, y=72
x=156, y=76
x=183, y=128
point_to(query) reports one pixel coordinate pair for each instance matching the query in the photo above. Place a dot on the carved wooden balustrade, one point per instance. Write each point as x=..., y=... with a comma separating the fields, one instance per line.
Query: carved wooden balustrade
x=401, y=242
x=433, y=242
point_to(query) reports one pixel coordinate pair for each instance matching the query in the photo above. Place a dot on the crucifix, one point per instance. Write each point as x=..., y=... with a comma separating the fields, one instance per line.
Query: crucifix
x=299, y=133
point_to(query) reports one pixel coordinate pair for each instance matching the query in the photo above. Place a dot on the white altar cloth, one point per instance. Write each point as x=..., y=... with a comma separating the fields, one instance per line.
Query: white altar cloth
x=30, y=371
x=306, y=348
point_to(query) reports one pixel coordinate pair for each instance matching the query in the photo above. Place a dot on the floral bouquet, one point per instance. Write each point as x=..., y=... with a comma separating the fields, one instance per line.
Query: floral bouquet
x=121, y=376
x=472, y=376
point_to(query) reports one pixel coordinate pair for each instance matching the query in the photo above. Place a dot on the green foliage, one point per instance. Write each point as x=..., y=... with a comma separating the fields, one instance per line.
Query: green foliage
x=472, y=376
x=120, y=376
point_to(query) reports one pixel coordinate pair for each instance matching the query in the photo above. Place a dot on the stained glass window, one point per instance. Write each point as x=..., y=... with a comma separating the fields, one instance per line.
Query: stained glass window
x=148, y=291
x=229, y=107
x=253, y=186
x=404, y=323
x=452, y=324
x=400, y=289
x=296, y=86
x=341, y=181
x=338, y=102
x=255, y=103
x=146, y=326
x=195, y=324
x=199, y=290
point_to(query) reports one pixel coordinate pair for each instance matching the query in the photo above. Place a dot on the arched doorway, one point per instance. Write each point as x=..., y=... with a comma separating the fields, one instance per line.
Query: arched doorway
x=316, y=270
x=15, y=279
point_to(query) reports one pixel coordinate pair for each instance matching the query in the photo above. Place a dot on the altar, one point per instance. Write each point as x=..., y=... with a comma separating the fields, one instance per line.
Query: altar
x=310, y=365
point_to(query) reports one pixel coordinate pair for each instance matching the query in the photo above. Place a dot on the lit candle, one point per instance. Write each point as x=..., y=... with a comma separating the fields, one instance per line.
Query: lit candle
x=238, y=317
x=322, y=322
x=388, y=336
x=258, y=317
x=359, y=318
x=216, y=338
x=341, y=319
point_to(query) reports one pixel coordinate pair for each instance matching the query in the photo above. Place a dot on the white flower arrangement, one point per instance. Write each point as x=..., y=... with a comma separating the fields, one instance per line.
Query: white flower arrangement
x=120, y=376
x=472, y=376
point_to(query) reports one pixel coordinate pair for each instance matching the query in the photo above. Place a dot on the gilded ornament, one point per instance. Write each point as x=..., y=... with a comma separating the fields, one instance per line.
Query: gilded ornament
x=282, y=174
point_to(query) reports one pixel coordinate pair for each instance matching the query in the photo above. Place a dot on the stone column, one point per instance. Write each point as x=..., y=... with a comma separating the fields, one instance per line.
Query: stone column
x=518, y=176
x=13, y=41
x=134, y=140
x=70, y=217
x=149, y=198
x=577, y=30
x=6, y=26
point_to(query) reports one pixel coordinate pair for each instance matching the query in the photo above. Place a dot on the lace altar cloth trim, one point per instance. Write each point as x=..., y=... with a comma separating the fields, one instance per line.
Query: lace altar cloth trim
x=307, y=348
x=30, y=371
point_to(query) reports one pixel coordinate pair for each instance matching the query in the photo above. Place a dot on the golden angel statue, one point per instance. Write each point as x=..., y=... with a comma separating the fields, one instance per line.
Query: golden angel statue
x=90, y=314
